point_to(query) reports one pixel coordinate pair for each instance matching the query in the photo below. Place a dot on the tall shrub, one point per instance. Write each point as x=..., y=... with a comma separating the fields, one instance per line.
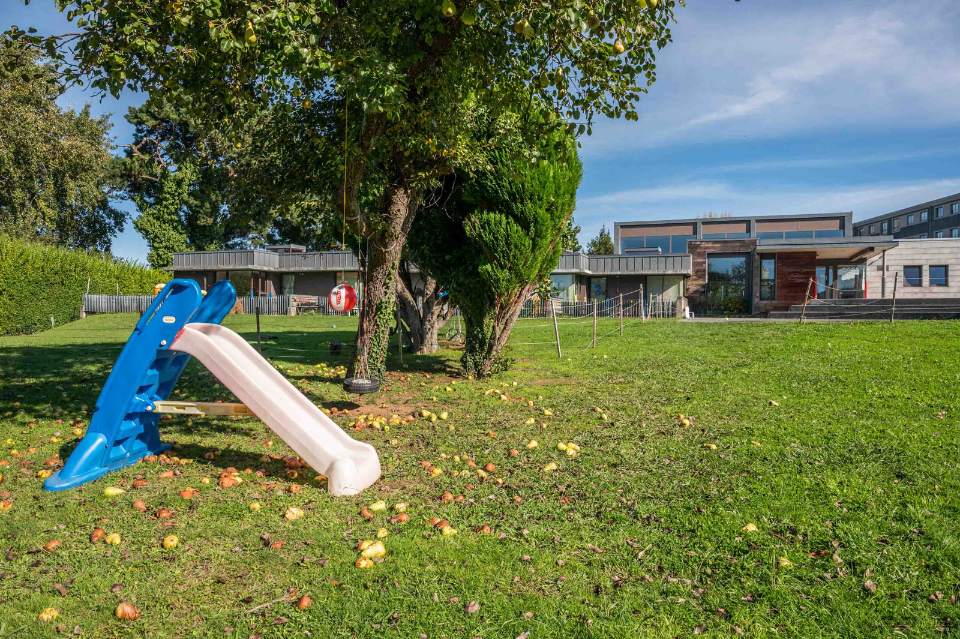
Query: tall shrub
x=497, y=237
x=40, y=281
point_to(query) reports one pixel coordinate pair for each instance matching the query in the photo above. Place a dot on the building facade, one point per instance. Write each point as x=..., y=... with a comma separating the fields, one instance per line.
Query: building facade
x=937, y=219
x=720, y=266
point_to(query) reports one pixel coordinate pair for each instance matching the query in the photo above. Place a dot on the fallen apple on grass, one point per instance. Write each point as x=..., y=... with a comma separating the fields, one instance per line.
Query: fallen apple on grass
x=126, y=611
x=170, y=542
x=293, y=513
x=113, y=539
x=48, y=614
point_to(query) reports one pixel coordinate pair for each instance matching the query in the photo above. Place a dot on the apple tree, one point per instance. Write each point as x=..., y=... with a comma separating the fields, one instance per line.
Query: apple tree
x=400, y=81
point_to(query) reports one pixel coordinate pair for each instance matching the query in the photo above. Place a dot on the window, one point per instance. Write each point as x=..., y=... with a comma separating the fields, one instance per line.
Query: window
x=954, y=232
x=955, y=208
x=828, y=233
x=923, y=215
x=909, y=219
x=728, y=283
x=798, y=235
x=937, y=212
x=885, y=227
x=768, y=278
x=939, y=275
x=661, y=242
x=678, y=243
x=770, y=235
x=913, y=276
x=922, y=236
x=874, y=229
x=938, y=234
x=650, y=243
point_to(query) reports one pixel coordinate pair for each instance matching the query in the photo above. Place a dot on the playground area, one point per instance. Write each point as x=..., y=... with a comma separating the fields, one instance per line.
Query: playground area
x=675, y=479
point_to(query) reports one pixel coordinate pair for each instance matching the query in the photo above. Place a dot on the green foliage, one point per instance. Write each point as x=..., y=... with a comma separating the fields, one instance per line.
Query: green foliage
x=571, y=237
x=198, y=191
x=508, y=223
x=55, y=166
x=601, y=244
x=38, y=281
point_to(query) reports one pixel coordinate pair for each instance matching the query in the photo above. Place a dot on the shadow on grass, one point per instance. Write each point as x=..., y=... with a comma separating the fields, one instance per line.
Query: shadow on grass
x=64, y=380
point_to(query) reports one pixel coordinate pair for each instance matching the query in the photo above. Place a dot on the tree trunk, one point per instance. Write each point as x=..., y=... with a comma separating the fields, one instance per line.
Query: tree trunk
x=423, y=319
x=380, y=292
x=487, y=335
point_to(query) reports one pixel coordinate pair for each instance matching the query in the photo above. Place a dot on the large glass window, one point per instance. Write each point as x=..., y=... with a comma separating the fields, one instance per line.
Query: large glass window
x=939, y=275
x=937, y=212
x=598, y=288
x=770, y=235
x=828, y=233
x=924, y=215
x=661, y=242
x=678, y=243
x=954, y=232
x=909, y=219
x=728, y=283
x=955, y=208
x=768, y=278
x=938, y=234
x=799, y=235
x=885, y=227
x=913, y=276
x=651, y=243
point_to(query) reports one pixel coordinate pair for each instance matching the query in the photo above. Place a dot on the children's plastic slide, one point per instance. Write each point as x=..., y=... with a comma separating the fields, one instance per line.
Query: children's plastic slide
x=182, y=323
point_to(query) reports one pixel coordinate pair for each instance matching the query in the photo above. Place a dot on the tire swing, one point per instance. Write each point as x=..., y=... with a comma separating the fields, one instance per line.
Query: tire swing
x=343, y=298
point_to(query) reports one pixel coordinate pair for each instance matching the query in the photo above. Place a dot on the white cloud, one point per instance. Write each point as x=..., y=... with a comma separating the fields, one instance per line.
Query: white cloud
x=760, y=70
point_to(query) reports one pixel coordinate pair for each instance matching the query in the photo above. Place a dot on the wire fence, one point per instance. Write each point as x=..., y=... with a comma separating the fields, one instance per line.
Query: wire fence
x=576, y=325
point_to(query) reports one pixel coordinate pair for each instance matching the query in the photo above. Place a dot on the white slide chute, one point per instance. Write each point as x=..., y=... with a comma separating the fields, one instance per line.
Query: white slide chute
x=350, y=466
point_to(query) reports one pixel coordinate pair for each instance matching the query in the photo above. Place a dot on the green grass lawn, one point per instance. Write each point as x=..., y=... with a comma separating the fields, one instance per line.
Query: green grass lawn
x=837, y=442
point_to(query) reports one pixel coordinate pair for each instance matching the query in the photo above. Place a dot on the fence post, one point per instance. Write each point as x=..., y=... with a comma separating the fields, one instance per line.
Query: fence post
x=257, y=313
x=620, y=304
x=643, y=314
x=556, y=329
x=893, y=306
x=803, y=313
x=594, y=323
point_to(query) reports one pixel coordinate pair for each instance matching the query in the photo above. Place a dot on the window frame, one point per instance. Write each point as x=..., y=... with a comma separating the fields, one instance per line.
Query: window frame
x=946, y=275
x=938, y=234
x=937, y=212
x=924, y=215
x=908, y=281
x=769, y=282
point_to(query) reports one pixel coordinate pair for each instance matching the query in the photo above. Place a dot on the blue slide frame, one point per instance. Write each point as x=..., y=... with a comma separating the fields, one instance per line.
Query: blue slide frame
x=124, y=429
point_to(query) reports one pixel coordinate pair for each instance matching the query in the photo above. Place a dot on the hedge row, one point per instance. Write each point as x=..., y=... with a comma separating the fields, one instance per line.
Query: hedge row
x=40, y=281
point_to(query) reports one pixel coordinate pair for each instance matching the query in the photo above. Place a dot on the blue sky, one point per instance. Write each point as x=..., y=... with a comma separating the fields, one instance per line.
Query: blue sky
x=761, y=106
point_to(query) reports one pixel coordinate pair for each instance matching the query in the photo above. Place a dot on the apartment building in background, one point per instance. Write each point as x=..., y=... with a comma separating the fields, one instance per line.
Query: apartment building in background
x=937, y=219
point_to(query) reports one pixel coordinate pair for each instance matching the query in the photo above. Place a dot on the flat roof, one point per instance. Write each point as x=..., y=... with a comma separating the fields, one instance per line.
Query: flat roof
x=738, y=218
x=909, y=209
x=832, y=247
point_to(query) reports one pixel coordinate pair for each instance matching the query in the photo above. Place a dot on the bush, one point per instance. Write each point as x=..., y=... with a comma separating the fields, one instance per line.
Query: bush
x=38, y=281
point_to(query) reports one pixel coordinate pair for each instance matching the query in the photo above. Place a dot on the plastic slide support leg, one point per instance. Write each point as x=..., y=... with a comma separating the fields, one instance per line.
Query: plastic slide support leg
x=123, y=428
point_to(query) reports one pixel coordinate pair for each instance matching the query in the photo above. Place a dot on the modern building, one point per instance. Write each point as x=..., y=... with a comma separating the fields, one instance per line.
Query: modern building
x=757, y=264
x=287, y=269
x=936, y=219
x=752, y=265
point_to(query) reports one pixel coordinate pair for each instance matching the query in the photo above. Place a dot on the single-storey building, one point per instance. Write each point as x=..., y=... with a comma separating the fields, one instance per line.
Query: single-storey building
x=721, y=266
